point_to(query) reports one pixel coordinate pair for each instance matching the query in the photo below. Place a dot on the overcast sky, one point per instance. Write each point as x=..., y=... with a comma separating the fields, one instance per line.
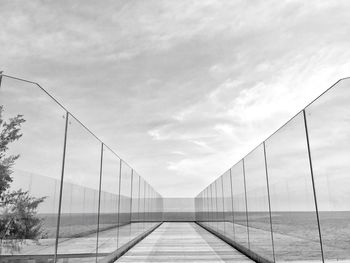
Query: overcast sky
x=179, y=89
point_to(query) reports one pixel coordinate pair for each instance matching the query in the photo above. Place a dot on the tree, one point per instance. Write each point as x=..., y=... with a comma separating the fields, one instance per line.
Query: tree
x=18, y=219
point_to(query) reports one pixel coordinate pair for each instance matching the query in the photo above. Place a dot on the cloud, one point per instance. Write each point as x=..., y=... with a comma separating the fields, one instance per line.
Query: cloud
x=181, y=89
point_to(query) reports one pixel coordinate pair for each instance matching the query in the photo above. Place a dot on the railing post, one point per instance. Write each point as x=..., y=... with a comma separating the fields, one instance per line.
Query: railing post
x=269, y=200
x=246, y=202
x=99, y=199
x=313, y=182
x=61, y=185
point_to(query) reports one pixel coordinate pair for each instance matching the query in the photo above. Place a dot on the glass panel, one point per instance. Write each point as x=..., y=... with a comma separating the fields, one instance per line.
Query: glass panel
x=78, y=227
x=196, y=205
x=151, y=209
x=200, y=207
x=107, y=239
x=208, y=206
x=135, y=198
x=328, y=126
x=136, y=226
x=147, y=206
x=239, y=205
x=258, y=204
x=213, y=222
x=160, y=208
x=205, y=205
x=209, y=200
x=125, y=205
x=228, y=211
x=294, y=220
x=142, y=215
x=35, y=173
x=220, y=206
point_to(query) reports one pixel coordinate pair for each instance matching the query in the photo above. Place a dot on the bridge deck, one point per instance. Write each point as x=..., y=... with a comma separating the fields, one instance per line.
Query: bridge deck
x=182, y=242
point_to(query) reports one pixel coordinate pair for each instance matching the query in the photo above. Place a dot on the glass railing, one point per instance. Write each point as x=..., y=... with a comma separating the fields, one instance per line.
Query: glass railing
x=289, y=199
x=65, y=196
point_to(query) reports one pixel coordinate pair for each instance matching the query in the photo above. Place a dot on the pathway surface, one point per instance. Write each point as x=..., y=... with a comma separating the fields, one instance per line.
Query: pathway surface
x=182, y=242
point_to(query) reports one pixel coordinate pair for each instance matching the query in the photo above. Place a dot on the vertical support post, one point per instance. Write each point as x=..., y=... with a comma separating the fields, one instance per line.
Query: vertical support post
x=233, y=211
x=269, y=201
x=61, y=185
x=313, y=183
x=119, y=195
x=99, y=199
x=246, y=202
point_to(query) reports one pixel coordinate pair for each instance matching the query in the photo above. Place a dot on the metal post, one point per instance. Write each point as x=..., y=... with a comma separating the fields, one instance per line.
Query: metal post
x=99, y=200
x=61, y=185
x=313, y=183
x=269, y=200
x=233, y=211
x=246, y=202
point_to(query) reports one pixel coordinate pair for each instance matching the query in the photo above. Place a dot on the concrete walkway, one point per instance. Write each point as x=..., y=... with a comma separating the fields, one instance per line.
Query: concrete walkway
x=182, y=242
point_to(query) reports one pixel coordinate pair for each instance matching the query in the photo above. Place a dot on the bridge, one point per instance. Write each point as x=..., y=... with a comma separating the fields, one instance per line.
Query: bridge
x=66, y=196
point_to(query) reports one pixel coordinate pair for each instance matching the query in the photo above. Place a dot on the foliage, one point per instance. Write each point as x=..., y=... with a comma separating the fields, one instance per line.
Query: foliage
x=18, y=218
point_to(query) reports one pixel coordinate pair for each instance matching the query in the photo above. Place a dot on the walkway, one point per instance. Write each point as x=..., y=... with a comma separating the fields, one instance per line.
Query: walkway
x=182, y=242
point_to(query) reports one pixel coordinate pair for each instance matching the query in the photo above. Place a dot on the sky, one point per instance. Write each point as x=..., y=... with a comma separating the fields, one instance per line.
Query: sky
x=181, y=90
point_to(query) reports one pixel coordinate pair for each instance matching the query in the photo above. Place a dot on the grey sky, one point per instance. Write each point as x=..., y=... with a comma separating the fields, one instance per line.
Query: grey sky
x=180, y=89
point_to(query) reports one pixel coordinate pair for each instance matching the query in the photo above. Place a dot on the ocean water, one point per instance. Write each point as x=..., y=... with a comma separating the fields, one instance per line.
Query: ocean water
x=296, y=236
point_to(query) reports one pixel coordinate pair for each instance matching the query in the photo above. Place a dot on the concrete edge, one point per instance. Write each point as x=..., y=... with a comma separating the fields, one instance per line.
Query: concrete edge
x=250, y=254
x=126, y=247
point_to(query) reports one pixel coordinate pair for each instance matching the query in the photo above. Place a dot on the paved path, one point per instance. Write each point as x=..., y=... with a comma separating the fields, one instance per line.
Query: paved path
x=182, y=242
